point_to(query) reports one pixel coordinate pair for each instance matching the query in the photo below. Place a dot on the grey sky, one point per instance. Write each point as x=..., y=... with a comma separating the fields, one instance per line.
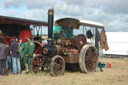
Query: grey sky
x=112, y=13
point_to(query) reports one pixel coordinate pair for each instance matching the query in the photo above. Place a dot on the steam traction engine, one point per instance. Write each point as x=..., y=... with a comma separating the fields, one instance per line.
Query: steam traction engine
x=63, y=47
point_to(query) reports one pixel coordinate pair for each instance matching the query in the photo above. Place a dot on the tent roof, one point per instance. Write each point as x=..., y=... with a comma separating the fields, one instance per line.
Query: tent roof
x=11, y=20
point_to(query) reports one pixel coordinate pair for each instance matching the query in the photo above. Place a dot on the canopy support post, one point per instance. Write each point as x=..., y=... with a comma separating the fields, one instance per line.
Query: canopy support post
x=97, y=40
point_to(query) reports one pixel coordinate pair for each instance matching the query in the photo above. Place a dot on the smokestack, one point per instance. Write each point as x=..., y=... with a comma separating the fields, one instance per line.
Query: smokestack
x=50, y=25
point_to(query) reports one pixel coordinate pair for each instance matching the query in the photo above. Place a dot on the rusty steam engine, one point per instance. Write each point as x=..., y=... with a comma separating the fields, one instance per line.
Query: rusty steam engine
x=60, y=45
x=61, y=50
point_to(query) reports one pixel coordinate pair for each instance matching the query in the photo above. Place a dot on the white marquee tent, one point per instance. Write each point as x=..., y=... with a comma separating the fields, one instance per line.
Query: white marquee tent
x=118, y=43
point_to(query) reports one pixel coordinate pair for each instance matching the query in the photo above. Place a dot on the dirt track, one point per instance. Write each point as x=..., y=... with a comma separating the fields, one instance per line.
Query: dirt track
x=117, y=75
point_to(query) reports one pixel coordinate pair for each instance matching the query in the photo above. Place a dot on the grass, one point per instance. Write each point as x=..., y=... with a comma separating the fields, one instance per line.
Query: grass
x=117, y=75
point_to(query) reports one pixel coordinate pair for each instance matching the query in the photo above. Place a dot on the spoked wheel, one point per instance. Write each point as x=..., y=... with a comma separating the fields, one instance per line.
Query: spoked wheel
x=57, y=66
x=37, y=63
x=88, y=58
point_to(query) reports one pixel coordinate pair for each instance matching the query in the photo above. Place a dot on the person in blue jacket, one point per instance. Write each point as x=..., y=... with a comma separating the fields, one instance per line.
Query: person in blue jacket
x=15, y=56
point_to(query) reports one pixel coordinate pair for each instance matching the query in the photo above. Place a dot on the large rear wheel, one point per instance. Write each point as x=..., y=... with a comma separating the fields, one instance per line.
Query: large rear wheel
x=88, y=58
x=57, y=66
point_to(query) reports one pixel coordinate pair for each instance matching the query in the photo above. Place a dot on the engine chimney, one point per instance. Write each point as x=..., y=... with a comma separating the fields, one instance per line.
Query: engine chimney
x=50, y=25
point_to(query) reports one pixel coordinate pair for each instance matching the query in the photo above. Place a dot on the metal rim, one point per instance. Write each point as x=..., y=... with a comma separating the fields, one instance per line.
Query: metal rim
x=88, y=59
x=91, y=57
x=57, y=66
x=37, y=62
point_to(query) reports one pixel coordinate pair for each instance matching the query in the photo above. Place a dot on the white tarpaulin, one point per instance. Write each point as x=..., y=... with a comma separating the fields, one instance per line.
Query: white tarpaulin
x=118, y=43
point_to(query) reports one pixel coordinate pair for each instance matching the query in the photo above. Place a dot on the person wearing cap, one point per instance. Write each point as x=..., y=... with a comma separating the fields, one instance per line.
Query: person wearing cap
x=21, y=49
x=15, y=56
x=29, y=50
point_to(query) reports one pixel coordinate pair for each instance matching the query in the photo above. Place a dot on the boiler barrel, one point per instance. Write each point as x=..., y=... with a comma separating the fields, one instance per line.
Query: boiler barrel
x=49, y=50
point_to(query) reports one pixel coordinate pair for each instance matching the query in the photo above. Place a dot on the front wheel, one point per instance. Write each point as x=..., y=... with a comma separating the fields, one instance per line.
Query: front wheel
x=36, y=64
x=57, y=66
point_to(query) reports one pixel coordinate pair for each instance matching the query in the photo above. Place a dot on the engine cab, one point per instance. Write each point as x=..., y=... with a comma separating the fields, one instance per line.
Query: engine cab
x=63, y=41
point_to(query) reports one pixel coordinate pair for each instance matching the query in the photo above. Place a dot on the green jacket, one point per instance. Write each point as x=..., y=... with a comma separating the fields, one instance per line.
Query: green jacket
x=29, y=48
x=21, y=49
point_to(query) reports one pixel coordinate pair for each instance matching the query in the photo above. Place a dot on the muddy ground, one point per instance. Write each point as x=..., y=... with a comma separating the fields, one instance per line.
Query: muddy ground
x=117, y=75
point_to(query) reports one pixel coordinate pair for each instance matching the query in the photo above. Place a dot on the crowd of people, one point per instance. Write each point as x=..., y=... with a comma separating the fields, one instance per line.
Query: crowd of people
x=17, y=56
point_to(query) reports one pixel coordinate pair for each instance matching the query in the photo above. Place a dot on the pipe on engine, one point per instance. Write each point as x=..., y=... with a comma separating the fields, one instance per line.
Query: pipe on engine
x=50, y=25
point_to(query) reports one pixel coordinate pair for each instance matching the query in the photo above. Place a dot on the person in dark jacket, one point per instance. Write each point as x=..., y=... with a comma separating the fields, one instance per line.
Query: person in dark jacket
x=3, y=56
x=8, y=60
x=15, y=56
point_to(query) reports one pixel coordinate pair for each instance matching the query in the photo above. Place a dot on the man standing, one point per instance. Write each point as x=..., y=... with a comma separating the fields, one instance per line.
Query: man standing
x=29, y=50
x=8, y=60
x=3, y=56
x=21, y=47
x=15, y=56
